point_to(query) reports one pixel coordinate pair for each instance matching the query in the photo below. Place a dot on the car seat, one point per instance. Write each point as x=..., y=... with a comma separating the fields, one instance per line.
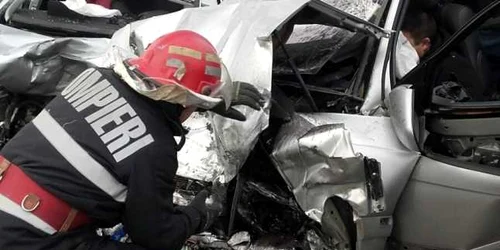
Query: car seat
x=453, y=18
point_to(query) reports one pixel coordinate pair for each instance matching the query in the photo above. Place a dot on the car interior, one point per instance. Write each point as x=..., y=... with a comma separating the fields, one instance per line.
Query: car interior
x=321, y=65
x=457, y=88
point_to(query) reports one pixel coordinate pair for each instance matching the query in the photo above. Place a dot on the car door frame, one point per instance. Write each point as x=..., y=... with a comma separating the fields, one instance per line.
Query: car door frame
x=433, y=209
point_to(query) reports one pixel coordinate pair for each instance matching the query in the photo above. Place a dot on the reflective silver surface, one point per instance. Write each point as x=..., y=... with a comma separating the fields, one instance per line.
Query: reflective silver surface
x=373, y=98
x=491, y=246
x=35, y=64
x=12, y=6
x=4, y=4
x=403, y=117
x=238, y=30
x=241, y=35
x=215, y=145
x=374, y=137
x=319, y=162
x=449, y=205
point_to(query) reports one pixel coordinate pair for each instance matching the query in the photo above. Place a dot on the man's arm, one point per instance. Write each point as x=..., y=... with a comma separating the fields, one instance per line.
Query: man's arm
x=150, y=217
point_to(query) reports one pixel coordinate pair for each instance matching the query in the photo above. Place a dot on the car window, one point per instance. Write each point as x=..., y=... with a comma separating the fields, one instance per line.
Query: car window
x=464, y=68
x=327, y=57
x=456, y=88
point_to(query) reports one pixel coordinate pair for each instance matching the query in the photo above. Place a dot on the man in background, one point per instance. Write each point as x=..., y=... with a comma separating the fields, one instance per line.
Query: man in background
x=414, y=41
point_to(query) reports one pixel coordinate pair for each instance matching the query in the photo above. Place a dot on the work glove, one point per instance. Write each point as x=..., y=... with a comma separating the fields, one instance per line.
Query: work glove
x=243, y=94
x=208, y=211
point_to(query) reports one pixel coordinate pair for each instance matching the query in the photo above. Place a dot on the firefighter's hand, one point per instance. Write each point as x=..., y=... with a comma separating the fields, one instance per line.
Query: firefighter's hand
x=208, y=212
x=244, y=94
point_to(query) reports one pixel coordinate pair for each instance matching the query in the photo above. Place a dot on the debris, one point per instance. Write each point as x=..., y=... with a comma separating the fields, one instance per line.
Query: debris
x=315, y=241
x=239, y=238
x=488, y=154
x=450, y=92
x=480, y=150
x=242, y=241
x=205, y=241
x=116, y=233
x=269, y=210
x=276, y=242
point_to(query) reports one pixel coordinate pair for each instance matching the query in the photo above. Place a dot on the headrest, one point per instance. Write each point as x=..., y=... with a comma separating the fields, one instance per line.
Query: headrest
x=455, y=16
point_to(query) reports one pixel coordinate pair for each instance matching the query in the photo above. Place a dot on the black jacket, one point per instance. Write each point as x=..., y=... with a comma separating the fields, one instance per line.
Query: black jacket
x=122, y=131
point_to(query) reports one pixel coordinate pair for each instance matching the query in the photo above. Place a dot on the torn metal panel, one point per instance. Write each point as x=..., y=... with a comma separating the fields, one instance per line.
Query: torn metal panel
x=35, y=64
x=375, y=137
x=319, y=162
x=335, y=227
x=215, y=145
x=241, y=35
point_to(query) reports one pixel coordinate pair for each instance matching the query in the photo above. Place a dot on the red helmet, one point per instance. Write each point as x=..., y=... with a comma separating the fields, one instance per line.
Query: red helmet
x=182, y=57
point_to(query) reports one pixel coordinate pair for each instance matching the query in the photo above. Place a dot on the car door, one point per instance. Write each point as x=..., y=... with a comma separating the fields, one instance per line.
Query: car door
x=452, y=200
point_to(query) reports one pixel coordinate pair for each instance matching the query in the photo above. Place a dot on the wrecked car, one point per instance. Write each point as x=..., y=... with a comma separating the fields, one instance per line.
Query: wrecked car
x=344, y=155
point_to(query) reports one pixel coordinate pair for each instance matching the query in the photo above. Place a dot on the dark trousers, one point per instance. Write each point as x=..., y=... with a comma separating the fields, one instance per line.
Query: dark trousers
x=16, y=234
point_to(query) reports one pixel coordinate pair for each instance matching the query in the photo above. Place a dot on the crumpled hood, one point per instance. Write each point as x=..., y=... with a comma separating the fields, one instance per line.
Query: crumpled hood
x=215, y=145
x=241, y=34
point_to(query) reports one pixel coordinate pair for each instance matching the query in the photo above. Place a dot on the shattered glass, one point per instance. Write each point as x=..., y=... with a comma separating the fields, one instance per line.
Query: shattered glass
x=358, y=8
x=242, y=241
x=312, y=45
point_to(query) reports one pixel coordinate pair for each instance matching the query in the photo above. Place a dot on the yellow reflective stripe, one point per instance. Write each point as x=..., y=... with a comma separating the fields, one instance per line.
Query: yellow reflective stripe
x=212, y=71
x=212, y=58
x=179, y=64
x=175, y=63
x=183, y=51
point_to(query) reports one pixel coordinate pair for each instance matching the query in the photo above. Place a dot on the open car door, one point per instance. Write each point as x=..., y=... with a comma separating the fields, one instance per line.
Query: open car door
x=452, y=200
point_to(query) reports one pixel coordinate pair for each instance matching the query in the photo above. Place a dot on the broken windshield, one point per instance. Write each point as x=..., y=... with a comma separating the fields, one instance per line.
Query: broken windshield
x=313, y=45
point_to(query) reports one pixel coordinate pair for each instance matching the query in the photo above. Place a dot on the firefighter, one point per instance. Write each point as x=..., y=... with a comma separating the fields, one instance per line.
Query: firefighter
x=103, y=152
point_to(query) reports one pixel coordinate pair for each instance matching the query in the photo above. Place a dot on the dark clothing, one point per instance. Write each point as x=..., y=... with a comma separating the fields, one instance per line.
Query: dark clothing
x=115, y=129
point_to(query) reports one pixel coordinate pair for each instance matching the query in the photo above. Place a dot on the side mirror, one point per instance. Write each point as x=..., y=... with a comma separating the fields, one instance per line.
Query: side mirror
x=403, y=117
